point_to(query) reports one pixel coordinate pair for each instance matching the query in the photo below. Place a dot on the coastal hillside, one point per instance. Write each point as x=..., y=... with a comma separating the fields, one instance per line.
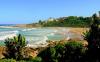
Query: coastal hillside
x=70, y=21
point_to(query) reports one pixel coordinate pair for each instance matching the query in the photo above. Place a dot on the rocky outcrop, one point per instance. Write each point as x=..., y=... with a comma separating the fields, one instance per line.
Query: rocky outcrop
x=2, y=52
x=26, y=52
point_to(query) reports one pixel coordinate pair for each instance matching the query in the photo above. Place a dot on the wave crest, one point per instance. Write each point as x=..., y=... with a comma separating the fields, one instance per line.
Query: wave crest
x=7, y=34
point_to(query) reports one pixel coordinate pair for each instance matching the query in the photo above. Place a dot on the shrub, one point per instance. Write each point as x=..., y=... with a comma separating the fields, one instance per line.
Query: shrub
x=74, y=45
x=37, y=59
x=86, y=35
x=7, y=60
x=60, y=52
x=48, y=55
x=14, y=46
x=71, y=51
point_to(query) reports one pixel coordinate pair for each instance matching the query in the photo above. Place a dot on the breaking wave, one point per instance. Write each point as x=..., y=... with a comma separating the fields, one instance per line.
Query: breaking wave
x=7, y=34
x=28, y=29
x=40, y=43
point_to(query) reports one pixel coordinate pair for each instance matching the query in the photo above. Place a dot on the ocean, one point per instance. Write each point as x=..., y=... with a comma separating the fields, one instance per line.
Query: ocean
x=33, y=36
x=36, y=37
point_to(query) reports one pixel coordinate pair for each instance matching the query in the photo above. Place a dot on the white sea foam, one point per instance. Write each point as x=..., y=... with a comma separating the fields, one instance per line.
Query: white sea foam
x=65, y=30
x=51, y=34
x=41, y=43
x=7, y=27
x=55, y=31
x=28, y=29
x=37, y=45
x=7, y=34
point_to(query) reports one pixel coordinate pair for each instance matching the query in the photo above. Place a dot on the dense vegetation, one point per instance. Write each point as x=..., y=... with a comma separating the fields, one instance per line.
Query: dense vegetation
x=71, y=21
x=68, y=52
x=14, y=47
x=15, y=50
x=93, y=39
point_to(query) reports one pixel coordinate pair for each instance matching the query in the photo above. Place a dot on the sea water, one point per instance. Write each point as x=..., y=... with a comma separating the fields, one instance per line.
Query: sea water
x=32, y=35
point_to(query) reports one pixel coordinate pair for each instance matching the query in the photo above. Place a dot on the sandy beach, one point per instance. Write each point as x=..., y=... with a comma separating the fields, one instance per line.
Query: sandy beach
x=78, y=30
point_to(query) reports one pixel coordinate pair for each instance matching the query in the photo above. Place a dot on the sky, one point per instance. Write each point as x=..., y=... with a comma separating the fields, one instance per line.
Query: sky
x=29, y=11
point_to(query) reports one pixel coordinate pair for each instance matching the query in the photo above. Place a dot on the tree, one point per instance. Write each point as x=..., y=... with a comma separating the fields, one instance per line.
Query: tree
x=40, y=22
x=14, y=46
x=93, y=39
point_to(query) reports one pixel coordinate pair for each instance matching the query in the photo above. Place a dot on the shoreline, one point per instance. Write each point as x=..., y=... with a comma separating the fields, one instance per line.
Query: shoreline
x=67, y=30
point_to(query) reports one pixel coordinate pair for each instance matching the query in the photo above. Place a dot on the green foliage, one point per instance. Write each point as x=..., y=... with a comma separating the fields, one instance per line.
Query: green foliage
x=63, y=53
x=37, y=59
x=7, y=60
x=74, y=45
x=73, y=51
x=93, y=39
x=71, y=21
x=48, y=54
x=93, y=35
x=14, y=46
x=86, y=35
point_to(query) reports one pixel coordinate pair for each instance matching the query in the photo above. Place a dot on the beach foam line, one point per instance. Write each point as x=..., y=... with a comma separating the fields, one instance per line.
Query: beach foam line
x=8, y=27
x=28, y=29
x=56, y=31
x=37, y=45
x=8, y=33
x=42, y=41
x=51, y=34
x=7, y=36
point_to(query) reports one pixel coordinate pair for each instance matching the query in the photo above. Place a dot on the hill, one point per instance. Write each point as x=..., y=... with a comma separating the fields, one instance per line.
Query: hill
x=70, y=21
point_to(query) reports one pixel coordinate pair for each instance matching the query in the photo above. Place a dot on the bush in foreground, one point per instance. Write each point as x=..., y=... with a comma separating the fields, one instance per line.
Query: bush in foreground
x=37, y=59
x=71, y=51
x=7, y=60
x=14, y=47
x=93, y=38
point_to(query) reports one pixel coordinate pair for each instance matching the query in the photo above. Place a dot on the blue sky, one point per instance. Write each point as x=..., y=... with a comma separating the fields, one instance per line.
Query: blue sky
x=28, y=11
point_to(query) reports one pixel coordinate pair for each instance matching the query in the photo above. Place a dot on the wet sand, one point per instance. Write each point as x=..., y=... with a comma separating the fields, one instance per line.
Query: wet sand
x=78, y=30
